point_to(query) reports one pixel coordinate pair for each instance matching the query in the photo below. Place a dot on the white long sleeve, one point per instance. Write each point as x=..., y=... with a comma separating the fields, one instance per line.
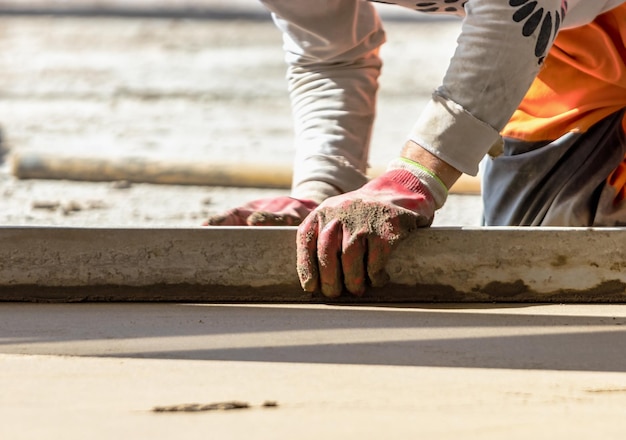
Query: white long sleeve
x=331, y=48
x=500, y=51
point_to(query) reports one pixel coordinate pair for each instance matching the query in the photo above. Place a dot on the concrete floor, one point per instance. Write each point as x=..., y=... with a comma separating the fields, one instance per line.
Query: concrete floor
x=474, y=372
x=169, y=90
x=76, y=371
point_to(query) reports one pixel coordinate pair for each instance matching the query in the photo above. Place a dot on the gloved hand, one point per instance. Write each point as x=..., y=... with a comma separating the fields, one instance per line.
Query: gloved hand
x=348, y=239
x=275, y=211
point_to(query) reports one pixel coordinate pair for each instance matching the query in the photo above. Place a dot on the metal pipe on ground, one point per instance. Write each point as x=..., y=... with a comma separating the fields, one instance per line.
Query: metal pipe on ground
x=579, y=265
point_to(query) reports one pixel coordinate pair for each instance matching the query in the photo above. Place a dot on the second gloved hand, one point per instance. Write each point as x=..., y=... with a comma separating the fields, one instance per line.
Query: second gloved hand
x=275, y=211
x=346, y=242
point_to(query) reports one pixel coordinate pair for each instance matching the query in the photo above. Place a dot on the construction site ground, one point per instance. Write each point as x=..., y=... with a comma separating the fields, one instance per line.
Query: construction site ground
x=169, y=85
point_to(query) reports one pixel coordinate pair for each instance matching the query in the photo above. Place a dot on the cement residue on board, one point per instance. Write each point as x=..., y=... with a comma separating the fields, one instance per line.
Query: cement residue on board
x=218, y=406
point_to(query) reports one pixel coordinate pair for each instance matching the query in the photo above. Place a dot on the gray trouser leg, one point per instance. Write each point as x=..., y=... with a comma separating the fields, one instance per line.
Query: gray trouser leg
x=557, y=183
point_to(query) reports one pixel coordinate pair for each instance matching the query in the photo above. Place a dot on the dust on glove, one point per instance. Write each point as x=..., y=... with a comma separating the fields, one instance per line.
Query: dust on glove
x=346, y=242
x=274, y=211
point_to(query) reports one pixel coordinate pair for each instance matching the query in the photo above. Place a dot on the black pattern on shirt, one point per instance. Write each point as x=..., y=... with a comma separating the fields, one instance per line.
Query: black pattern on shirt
x=535, y=19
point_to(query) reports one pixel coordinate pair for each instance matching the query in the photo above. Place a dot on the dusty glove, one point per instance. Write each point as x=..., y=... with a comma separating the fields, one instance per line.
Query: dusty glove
x=348, y=239
x=275, y=211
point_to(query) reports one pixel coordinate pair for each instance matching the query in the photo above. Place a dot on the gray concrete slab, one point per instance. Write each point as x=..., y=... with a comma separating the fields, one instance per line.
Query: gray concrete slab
x=490, y=372
x=258, y=265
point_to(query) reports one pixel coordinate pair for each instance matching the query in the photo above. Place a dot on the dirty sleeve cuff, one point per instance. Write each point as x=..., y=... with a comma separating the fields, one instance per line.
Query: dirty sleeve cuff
x=452, y=134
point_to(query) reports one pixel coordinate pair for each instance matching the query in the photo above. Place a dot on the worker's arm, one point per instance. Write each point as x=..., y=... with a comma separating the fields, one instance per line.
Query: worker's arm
x=446, y=172
x=500, y=51
x=346, y=242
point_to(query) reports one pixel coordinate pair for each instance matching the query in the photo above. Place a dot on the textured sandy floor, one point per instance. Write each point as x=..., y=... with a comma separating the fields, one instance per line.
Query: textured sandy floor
x=207, y=89
x=71, y=371
x=197, y=90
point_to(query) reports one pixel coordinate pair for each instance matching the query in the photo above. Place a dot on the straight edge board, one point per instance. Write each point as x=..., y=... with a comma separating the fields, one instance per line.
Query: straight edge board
x=246, y=264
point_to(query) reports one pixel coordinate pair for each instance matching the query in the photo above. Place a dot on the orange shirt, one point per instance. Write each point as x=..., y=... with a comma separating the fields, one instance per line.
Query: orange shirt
x=583, y=81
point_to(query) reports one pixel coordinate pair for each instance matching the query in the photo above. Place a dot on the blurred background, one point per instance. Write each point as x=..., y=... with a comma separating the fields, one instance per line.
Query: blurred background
x=107, y=91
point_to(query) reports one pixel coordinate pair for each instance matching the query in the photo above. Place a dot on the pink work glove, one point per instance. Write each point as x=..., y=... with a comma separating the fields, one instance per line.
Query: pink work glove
x=348, y=239
x=276, y=211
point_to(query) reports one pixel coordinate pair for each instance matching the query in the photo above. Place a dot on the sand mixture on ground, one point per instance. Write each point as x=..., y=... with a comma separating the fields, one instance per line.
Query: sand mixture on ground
x=197, y=90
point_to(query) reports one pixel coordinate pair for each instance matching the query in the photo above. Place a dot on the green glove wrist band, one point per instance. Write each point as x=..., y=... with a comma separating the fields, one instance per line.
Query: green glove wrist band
x=430, y=180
